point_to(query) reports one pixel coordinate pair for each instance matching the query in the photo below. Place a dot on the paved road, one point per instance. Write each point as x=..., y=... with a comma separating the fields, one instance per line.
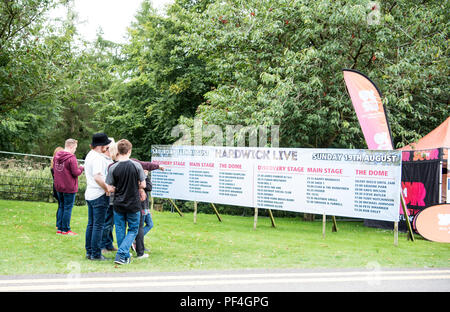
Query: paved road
x=290, y=280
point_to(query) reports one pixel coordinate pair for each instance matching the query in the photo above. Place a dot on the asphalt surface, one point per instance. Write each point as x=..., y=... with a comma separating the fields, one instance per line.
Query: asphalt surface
x=256, y=281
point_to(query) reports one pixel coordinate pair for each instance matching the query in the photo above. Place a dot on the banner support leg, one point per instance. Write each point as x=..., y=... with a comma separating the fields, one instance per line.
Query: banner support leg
x=195, y=212
x=334, y=229
x=324, y=221
x=217, y=213
x=271, y=218
x=396, y=234
x=176, y=207
x=405, y=213
x=255, y=219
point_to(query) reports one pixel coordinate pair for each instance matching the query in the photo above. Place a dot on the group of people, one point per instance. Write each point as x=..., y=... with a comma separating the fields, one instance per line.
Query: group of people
x=117, y=192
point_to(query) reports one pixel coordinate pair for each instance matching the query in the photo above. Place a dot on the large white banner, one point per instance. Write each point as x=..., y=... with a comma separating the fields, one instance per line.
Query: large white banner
x=341, y=182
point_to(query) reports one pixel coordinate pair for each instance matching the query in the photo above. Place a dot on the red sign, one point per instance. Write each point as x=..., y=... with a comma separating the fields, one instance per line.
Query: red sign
x=433, y=223
x=432, y=154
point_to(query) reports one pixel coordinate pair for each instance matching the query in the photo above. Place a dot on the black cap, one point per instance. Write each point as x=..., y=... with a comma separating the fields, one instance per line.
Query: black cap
x=100, y=139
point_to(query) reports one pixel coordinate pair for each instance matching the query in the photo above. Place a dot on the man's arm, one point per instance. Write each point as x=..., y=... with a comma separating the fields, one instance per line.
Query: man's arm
x=98, y=177
x=75, y=170
x=147, y=165
x=141, y=174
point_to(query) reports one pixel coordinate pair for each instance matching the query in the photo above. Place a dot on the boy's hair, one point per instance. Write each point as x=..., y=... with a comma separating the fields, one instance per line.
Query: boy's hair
x=124, y=146
x=70, y=143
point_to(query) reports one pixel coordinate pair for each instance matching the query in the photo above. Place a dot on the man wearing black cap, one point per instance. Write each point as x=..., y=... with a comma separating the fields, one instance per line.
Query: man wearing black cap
x=96, y=195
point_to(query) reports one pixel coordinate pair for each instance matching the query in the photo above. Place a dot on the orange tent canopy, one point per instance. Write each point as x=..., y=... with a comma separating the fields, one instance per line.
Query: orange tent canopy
x=439, y=137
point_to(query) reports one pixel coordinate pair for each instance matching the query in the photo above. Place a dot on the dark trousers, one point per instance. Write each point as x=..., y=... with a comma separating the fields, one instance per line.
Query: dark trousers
x=143, y=230
x=107, y=236
x=140, y=248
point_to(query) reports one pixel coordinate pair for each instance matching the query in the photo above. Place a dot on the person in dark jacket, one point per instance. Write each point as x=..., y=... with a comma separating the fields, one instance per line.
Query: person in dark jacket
x=146, y=217
x=66, y=172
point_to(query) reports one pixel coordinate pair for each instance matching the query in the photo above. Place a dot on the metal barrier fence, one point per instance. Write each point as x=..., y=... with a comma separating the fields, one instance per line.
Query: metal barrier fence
x=28, y=177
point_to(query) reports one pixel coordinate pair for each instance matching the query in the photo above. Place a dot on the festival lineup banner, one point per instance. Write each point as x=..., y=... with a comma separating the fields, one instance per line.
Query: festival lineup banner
x=420, y=179
x=341, y=182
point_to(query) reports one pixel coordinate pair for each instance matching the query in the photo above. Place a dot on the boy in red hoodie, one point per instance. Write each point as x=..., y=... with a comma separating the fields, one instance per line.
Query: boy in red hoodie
x=66, y=172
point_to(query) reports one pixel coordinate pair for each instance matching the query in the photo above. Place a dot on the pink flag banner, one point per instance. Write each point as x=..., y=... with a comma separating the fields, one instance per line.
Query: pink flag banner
x=366, y=99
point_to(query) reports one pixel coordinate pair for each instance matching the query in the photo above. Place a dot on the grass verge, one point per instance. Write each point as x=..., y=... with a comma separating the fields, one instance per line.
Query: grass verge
x=29, y=244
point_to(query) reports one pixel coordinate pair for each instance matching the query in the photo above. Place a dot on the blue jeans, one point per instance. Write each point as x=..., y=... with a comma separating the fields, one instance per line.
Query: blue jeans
x=124, y=241
x=64, y=213
x=148, y=223
x=59, y=212
x=96, y=220
x=107, y=236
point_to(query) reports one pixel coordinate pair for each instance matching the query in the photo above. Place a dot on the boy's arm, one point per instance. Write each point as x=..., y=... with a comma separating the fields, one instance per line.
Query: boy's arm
x=109, y=181
x=142, y=194
x=142, y=185
x=142, y=177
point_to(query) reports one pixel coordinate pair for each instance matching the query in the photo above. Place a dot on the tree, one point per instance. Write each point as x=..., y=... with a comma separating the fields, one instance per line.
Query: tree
x=89, y=75
x=234, y=62
x=159, y=82
x=31, y=64
x=280, y=62
x=49, y=77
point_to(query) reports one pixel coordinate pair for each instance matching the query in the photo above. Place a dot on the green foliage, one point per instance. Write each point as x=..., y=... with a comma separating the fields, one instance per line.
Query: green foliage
x=29, y=71
x=177, y=244
x=280, y=62
x=159, y=82
x=89, y=74
x=234, y=62
x=48, y=78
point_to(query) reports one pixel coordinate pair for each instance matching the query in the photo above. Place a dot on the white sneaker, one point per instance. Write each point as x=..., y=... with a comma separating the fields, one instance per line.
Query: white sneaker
x=143, y=256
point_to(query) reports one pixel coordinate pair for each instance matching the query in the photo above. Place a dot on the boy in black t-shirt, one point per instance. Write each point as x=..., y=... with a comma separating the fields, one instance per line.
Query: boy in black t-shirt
x=126, y=179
